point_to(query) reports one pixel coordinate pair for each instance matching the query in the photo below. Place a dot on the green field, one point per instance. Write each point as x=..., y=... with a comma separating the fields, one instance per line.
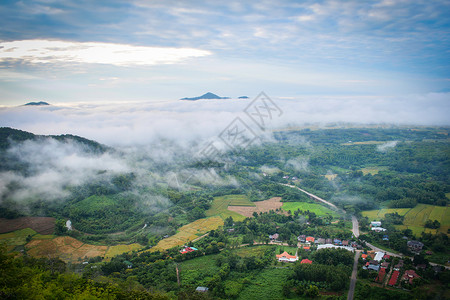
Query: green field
x=316, y=208
x=376, y=215
x=416, y=217
x=267, y=284
x=17, y=237
x=220, y=205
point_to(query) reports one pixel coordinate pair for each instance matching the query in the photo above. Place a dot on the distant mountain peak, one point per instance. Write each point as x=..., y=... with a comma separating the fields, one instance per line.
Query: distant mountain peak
x=36, y=103
x=208, y=95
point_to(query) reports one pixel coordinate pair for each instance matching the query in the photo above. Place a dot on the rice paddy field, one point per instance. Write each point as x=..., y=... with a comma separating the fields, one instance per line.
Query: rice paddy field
x=318, y=209
x=416, y=217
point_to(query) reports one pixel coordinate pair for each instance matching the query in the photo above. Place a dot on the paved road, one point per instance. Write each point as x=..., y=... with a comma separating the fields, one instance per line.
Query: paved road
x=351, y=290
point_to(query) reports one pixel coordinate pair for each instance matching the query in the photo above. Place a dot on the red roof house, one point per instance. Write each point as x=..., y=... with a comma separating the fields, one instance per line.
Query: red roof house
x=394, y=278
x=286, y=257
x=381, y=275
x=410, y=275
x=306, y=261
x=310, y=239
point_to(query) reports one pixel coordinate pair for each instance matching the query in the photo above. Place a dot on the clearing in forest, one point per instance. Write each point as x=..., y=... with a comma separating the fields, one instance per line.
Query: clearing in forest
x=259, y=206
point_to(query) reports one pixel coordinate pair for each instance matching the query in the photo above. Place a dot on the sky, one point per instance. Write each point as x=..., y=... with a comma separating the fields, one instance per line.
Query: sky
x=322, y=61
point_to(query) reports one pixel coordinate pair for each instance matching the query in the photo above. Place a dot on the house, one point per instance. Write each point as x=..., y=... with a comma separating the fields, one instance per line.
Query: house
x=415, y=246
x=301, y=238
x=364, y=256
x=286, y=257
x=409, y=276
x=274, y=237
x=337, y=242
x=378, y=229
x=188, y=250
x=386, y=256
x=385, y=238
x=285, y=177
x=310, y=239
x=230, y=230
x=381, y=275
x=394, y=278
x=373, y=262
x=201, y=289
x=307, y=248
x=429, y=252
x=373, y=267
x=344, y=243
x=306, y=261
x=379, y=256
x=328, y=241
x=320, y=241
x=375, y=224
x=385, y=265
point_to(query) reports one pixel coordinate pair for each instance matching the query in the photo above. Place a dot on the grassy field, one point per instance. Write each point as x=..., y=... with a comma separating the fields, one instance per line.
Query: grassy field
x=416, y=217
x=267, y=284
x=196, y=271
x=318, y=209
x=220, y=205
x=375, y=215
x=17, y=237
x=189, y=232
x=119, y=249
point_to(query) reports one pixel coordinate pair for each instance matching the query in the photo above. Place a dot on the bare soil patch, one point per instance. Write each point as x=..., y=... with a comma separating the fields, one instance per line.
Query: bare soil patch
x=261, y=206
x=42, y=225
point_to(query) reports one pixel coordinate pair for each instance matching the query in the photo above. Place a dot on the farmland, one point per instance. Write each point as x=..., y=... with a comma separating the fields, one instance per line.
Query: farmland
x=220, y=205
x=259, y=206
x=416, y=217
x=316, y=208
x=378, y=214
x=42, y=225
x=189, y=232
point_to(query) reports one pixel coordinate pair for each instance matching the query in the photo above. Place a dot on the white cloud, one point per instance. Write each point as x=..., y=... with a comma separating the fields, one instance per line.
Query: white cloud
x=52, y=51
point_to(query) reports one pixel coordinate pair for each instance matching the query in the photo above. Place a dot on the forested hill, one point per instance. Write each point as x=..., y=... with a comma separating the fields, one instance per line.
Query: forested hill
x=8, y=135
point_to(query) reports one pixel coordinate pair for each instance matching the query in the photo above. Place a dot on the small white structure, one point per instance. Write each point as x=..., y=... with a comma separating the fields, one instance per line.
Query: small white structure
x=375, y=223
x=69, y=225
x=378, y=256
x=348, y=248
x=378, y=229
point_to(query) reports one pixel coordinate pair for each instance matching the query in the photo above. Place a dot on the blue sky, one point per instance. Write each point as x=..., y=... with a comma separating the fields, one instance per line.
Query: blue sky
x=109, y=51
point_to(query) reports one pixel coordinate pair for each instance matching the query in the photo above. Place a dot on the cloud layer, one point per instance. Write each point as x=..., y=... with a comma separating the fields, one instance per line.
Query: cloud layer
x=48, y=51
x=186, y=122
